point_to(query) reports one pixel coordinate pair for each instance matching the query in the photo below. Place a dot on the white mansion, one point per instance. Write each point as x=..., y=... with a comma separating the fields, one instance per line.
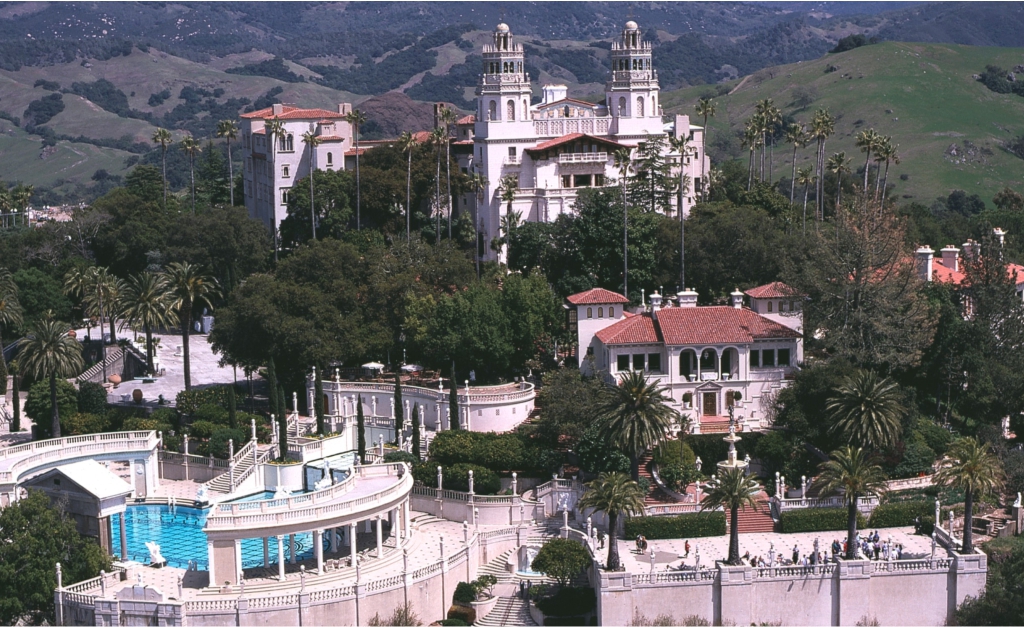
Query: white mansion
x=552, y=148
x=702, y=355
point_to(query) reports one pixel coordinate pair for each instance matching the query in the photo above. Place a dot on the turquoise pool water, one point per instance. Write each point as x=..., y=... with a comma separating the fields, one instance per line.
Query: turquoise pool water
x=179, y=532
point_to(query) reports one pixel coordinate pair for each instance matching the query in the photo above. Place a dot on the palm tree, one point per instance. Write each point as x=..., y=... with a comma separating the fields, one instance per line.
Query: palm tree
x=751, y=139
x=796, y=136
x=88, y=284
x=867, y=410
x=635, y=417
x=769, y=116
x=188, y=287
x=21, y=198
x=805, y=177
x=623, y=162
x=357, y=119
x=867, y=141
x=822, y=127
x=479, y=183
x=976, y=471
x=110, y=290
x=275, y=130
x=715, y=179
x=191, y=147
x=49, y=351
x=147, y=304
x=616, y=495
x=10, y=312
x=852, y=473
x=705, y=108
x=732, y=490
x=407, y=143
x=162, y=136
x=437, y=139
x=682, y=146
x=507, y=187
x=447, y=118
x=312, y=140
x=229, y=131
x=838, y=164
x=890, y=152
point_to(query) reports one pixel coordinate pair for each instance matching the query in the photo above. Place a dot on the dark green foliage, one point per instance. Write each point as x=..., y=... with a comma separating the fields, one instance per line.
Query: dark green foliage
x=500, y=452
x=711, y=448
x=1002, y=602
x=466, y=615
x=561, y=559
x=318, y=398
x=15, y=398
x=34, y=536
x=853, y=41
x=272, y=385
x=42, y=111
x=399, y=408
x=917, y=459
x=400, y=456
x=595, y=456
x=902, y=514
x=155, y=100
x=453, y=401
x=282, y=422
x=684, y=526
x=452, y=622
x=817, y=519
x=211, y=413
x=92, y=398
x=39, y=293
x=568, y=402
x=3, y=374
x=189, y=402
x=106, y=95
x=271, y=68
x=996, y=79
x=47, y=85
x=568, y=602
x=232, y=408
x=361, y=430
x=464, y=593
x=37, y=405
x=416, y=430
x=456, y=477
x=218, y=443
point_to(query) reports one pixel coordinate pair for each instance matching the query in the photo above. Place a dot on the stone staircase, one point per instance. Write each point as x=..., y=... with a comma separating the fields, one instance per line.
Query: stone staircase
x=655, y=494
x=221, y=484
x=508, y=611
x=755, y=521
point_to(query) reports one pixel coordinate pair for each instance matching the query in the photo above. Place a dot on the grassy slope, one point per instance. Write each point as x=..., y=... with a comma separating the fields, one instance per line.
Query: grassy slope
x=929, y=89
x=21, y=159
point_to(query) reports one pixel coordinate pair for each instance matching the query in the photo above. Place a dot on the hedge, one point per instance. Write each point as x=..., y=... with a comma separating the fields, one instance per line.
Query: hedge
x=817, y=519
x=902, y=514
x=685, y=526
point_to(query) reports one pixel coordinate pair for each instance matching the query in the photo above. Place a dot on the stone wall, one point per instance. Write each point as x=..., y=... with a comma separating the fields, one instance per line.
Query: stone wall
x=905, y=592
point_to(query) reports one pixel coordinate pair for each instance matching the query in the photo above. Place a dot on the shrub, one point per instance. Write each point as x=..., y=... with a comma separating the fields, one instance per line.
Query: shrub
x=672, y=454
x=917, y=458
x=92, y=398
x=189, y=401
x=500, y=452
x=460, y=612
x=211, y=413
x=217, y=446
x=684, y=526
x=457, y=477
x=202, y=429
x=452, y=622
x=817, y=519
x=37, y=405
x=168, y=416
x=400, y=456
x=568, y=602
x=82, y=424
x=464, y=593
x=901, y=514
x=561, y=559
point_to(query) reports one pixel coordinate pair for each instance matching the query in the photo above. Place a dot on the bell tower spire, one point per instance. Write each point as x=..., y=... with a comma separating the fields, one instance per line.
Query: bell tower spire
x=632, y=89
x=504, y=88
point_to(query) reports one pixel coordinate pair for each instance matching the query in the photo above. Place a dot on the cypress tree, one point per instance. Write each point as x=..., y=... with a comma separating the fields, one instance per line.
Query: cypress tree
x=272, y=386
x=361, y=430
x=232, y=409
x=416, y=430
x=399, y=414
x=282, y=424
x=15, y=381
x=3, y=373
x=318, y=400
x=453, y=401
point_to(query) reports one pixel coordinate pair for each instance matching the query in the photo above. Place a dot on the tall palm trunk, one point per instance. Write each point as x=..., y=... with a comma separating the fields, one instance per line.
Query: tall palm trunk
x=792, y=182
x=359, y=190
x=113, y=335
x=703, y=152
x=613, y=542
x=186, y=332
x=448, y=181
x=634, y=467
x=54, y=414
x=750, y=169
x=851, y=529
x=16, y=402
x=231, y=176
x=806, y=185
x=771, y=161
x=867, y=169
x=682, y=243
x=734, y=536
x=437, y=197
x=164, y=160
x=839, y=189
x=885, y=183
x=968, y=544
x=878, y=176
x=192, y=177
x=149, y=349
x=408, y=199
x=625, y=242
x=103, y=345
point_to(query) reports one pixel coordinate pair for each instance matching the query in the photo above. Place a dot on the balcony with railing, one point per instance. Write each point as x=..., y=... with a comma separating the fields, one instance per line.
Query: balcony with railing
x=582, y=157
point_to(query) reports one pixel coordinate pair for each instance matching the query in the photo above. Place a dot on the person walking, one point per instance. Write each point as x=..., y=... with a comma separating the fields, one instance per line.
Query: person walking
x=686, y=549
x=796, y=555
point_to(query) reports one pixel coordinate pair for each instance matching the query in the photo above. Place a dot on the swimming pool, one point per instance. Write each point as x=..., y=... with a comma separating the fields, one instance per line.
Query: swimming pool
x=179, y=532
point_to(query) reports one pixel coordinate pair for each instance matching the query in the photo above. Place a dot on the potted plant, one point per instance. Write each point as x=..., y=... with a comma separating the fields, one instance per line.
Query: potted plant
x=688, y=399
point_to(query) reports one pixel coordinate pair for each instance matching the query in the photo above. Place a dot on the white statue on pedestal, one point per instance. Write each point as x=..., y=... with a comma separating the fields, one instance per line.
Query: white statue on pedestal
x=201, y=496
x=155, y=559
x=326, y=482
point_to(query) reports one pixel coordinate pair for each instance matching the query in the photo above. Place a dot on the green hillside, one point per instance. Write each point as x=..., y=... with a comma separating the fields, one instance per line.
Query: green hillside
x=923, y=95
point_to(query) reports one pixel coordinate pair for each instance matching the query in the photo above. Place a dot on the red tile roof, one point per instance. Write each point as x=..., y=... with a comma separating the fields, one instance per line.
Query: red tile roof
x=942, y=274
x=558, y=141
x=467, y=119
x=294, y=113
x=597, y=296
x=632, y=330
x=718, y=325
x=778, y=289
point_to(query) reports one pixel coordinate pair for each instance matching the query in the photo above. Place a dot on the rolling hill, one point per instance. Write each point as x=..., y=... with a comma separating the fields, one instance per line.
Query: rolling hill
x=950, y=128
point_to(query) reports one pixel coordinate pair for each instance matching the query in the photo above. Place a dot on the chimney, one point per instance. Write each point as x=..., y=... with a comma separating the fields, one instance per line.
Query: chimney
x=682, y=126
x=972, y=250
x=278, y=109
x=655, y=302
x=924, y=263
x=951, y=257
x=1000, y=235
x=687, y=298
x=554, y=93
x=344, y=108
x=737, y=298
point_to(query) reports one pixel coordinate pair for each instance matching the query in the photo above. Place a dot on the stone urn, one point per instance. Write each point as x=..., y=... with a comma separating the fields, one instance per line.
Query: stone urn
x=114, y=379
x=137, y=396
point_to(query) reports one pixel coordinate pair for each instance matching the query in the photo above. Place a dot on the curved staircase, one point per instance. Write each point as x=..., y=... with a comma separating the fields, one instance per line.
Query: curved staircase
x=755, y=521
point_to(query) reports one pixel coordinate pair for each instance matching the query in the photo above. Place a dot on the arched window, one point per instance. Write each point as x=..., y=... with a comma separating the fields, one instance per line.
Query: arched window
x=600, y=312
x=640, y=106
x=590, y=312
x=511, y=110
x=769, y=306
x=565, y=111
x=526, y=107
x=622, y=105
x=492, y=111
x=611, y=312
x=330, y=158
x=286, y=171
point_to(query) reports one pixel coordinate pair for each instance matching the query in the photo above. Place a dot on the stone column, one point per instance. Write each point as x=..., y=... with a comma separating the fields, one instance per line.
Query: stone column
x=334, y=541
x=266, y=552
x=318, y=550
x=124, y=536
x=353, y=541
x=280, y=558
x=380, y=537
x=291, y=548
x=405, y=519
x=209, y=560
